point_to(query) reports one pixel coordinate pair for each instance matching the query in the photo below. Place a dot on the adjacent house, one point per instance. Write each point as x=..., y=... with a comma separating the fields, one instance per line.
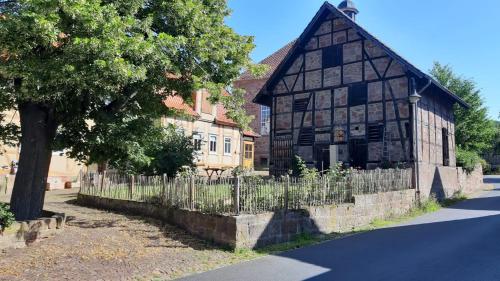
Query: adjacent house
x=62, y=169
x=220, y=144
x=341, y=95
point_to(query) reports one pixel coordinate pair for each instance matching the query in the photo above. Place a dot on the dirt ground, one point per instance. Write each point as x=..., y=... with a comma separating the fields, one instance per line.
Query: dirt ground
x=99, y=245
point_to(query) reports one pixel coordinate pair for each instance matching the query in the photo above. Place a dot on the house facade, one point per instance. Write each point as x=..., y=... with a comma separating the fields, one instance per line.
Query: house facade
x=219, y=143
x=62, y=168
x=341, y=95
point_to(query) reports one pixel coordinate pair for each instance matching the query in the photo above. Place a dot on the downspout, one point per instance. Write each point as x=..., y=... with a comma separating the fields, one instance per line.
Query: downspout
x=415, y=135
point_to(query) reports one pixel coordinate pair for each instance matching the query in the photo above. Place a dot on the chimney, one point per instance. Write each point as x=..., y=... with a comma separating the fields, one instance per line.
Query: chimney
x=348, y=7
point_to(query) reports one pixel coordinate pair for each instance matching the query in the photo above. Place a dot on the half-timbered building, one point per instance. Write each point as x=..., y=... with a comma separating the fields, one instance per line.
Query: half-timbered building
x=341, y=95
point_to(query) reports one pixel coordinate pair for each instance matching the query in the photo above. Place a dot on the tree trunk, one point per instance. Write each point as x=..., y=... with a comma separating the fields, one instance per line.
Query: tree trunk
x=38, y=129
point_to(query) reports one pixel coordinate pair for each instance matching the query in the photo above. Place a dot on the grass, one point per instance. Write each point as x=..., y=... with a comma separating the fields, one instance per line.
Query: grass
x=298, y=242
x=428, y=206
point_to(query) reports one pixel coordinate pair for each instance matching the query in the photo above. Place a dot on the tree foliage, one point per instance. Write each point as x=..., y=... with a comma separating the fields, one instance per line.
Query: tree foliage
x=168, y=156
x=97, y=71
x=112, y=62
x=474, y=131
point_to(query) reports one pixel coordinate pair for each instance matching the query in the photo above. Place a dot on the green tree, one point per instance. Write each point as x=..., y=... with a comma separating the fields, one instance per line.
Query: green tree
x=88, y=76
x=474, y=131
x=168, y=156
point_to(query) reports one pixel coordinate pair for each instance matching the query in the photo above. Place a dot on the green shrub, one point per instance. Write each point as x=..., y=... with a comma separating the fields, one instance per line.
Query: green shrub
x=6, y=216
x=468, y=159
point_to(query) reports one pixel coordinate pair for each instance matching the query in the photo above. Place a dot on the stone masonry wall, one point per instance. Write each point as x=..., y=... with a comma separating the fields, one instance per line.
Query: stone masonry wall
x=444, y=182
x=254, y=231
x=21, y=234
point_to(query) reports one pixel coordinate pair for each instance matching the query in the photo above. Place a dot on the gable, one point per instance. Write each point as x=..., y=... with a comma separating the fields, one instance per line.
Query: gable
x=333, y=51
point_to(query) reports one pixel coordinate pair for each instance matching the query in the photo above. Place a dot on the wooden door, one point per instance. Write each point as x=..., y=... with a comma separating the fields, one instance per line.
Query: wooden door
x=358, y=152
x=248, y=152
x=322, y=157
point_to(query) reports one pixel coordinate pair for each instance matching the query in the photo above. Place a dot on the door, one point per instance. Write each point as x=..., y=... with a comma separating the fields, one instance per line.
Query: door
x=322, y=157
x=248, y=155
x=358, y=152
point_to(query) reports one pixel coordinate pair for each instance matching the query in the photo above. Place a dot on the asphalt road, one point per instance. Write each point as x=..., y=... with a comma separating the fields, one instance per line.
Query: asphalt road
x=457, y=243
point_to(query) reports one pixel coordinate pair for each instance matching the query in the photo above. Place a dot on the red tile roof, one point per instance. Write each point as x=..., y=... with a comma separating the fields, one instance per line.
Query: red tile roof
x=251, y=134
x=176, y=102
x=221, y=117
x=273, y=61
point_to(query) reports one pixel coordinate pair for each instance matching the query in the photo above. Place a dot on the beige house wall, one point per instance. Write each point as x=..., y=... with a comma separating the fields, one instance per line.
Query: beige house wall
x=205, y=125
x=62, y=169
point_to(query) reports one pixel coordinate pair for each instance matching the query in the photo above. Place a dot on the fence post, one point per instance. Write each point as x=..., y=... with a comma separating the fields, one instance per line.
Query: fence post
x=164, y=189
x=191, y=193
x=102, y=181
x=131, y=187
x=236, y=195
x=287, y=188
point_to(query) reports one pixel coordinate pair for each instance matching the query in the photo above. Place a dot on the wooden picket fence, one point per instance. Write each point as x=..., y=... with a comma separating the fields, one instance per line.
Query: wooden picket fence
x=248, y=195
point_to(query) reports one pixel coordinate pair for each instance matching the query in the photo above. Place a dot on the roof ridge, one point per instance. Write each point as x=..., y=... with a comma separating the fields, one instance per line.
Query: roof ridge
x=328, y=6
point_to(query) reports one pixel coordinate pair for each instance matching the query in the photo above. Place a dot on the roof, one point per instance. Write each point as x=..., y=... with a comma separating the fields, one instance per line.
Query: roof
x=177, y=102
x=251, y=134
x=273, y=61
x=302, y=40
x=221, y=118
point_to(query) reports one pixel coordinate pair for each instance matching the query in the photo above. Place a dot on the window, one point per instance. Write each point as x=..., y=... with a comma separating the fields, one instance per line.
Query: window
x=263, y=161
x=332, y=56
x=375, y=133
x=212, y=141
x=300, y=105
x=248, y=151
x=227, y=146
x=358, y=94
x=197, y=142
x=446, y=148
x=265, y=120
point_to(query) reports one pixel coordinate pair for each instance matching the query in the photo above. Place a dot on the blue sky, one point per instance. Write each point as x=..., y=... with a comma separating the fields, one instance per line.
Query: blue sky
x=454, y=32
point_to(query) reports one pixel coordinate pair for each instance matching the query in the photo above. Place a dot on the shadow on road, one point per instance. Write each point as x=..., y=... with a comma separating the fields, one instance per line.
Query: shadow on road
x=452, y=250
x=492, y=180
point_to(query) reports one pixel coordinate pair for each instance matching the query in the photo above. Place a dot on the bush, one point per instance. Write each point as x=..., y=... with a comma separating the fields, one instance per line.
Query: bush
x=301, y=170
x=6, y=216
x=468, y=159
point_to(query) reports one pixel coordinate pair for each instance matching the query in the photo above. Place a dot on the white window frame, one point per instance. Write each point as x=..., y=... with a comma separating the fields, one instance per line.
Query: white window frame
x=197, y=137
x=227, y=140
x=265, y=120
x=210, y=151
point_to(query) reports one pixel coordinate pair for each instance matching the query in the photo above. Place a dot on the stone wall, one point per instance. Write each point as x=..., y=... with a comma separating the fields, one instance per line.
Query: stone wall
x=444, y=182
x=21, y=234
x=252, y=231
x=255, y=231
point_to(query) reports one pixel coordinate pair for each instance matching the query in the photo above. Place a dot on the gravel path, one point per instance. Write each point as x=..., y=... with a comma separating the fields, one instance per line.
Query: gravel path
x=98, y=245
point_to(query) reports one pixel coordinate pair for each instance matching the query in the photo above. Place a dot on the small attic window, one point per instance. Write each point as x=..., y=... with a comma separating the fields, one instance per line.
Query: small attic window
x=332, y=56
x=358, y=94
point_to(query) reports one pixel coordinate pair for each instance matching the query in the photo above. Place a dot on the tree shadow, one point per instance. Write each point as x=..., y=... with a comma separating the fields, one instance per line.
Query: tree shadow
x=179, y=238
x=492, y=180
x=283, y=227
